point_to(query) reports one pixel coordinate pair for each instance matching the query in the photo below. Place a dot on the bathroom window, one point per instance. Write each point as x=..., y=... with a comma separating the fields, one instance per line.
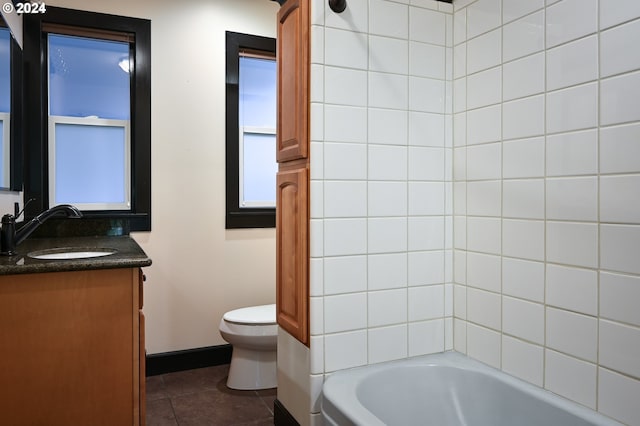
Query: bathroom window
x=5, y=104
x=91, y=92
x=89, y=123
x=250, y=134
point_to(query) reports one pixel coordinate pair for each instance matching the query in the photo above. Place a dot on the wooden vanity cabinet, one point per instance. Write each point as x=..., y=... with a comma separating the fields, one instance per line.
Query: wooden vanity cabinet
x=72, y=348
x=292, y=199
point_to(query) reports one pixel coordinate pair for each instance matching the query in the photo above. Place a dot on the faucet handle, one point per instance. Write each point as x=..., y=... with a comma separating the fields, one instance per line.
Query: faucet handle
x=16, y=208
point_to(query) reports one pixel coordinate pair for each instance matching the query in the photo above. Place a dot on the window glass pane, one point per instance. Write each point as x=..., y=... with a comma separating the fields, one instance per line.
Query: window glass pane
x=5, y=70
x=259, y=169
x=257, y=92
x=4, y=150
x=85, y=78
x=90, y=164
x=257, y=110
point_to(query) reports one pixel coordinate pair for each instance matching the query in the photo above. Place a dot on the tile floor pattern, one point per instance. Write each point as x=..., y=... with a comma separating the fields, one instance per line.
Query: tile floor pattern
x=200, y=398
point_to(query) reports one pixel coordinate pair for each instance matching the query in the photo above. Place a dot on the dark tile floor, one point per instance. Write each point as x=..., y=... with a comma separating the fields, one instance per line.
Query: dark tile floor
x=199, y=397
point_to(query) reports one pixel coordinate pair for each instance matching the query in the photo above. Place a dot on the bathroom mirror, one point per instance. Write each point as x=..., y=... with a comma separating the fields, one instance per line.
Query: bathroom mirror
x=10, y=110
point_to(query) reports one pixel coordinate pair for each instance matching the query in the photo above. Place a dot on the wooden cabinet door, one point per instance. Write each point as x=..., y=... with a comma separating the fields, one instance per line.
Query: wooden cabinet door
x=293, y=81
x=292, y=252
x=70, y=348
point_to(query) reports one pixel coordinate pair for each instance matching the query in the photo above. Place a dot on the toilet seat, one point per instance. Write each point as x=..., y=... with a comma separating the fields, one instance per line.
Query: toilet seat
x=253, y=315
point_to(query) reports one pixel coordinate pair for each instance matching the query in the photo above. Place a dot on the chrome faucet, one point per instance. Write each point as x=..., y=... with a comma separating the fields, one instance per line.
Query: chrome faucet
x=10, y=237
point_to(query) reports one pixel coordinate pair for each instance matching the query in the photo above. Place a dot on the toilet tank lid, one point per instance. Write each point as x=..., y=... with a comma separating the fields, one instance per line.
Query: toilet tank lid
x=264, y=314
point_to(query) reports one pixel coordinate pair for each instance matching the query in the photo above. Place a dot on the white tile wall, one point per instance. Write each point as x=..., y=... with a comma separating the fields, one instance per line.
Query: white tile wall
x=515, y=9
x=616, y=396
x=574, y=289
x=523, y=360
x=387, y=343
x=523, y=278
x=573, y=153
x=572, y=63
x=482, y=16
x=572, y=198
x=619, y=248
x=484, y=124
x=387, y=271
x=388, y=19
x=345, y=274
x=523, y=158
x=547, y=213
x=619, y=201
x=387, y=126
x=343, y=49
x=523, y=118
x=620, y=99
x=618, y=297
x=484, y=52
x=619, y=150
x=573, y=108
x=523, y=198
x=345, y=199
x=523, y=239
x=531, y=107
x=619, y=347
x=523, y=77
x=484, y=345
x=570, y=377
x=571, y=19
x=427, y=26
x=572, y=243
x=484, y=88
x=426, y=268
x=484, y=308
x=345, y=124
x=426, y=337
x=613, y=12
x=345, y=312
x=523, y=319
x=523, y=37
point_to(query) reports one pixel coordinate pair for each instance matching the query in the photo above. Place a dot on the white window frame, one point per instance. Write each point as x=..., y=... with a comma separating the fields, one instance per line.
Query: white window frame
x=91, y=121
x=252, y=131
x=5, y=118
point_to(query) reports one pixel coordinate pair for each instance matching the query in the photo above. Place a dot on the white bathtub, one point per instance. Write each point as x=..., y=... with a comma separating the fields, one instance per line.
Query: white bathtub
x=444, y=389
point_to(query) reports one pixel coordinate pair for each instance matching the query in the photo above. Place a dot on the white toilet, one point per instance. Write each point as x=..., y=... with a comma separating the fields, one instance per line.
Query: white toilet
x=253, y=334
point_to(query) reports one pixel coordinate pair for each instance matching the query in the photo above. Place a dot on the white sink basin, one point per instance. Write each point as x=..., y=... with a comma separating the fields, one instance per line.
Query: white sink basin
x=70, y=253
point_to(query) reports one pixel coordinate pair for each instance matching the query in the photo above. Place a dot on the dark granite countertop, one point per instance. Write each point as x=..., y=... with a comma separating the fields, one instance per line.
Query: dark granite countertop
x=128, y=254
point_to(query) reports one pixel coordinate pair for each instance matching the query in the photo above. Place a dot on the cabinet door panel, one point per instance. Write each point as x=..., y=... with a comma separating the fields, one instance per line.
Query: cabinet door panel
x=292, y=231
x=69, y=345
x=293, y=81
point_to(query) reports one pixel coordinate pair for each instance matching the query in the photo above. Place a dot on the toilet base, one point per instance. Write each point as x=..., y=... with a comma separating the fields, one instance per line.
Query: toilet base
x=252, y=370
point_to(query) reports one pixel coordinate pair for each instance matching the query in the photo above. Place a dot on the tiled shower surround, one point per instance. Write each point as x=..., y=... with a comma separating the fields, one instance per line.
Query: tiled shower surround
x=475, y=185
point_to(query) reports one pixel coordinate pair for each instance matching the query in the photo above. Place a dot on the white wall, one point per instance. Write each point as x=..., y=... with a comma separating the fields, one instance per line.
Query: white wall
x=199, y=269
x=547, y=177
x=7, y=198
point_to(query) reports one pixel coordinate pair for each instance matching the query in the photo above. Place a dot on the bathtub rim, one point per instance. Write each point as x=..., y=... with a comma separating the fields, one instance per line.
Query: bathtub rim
x=340, y=386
